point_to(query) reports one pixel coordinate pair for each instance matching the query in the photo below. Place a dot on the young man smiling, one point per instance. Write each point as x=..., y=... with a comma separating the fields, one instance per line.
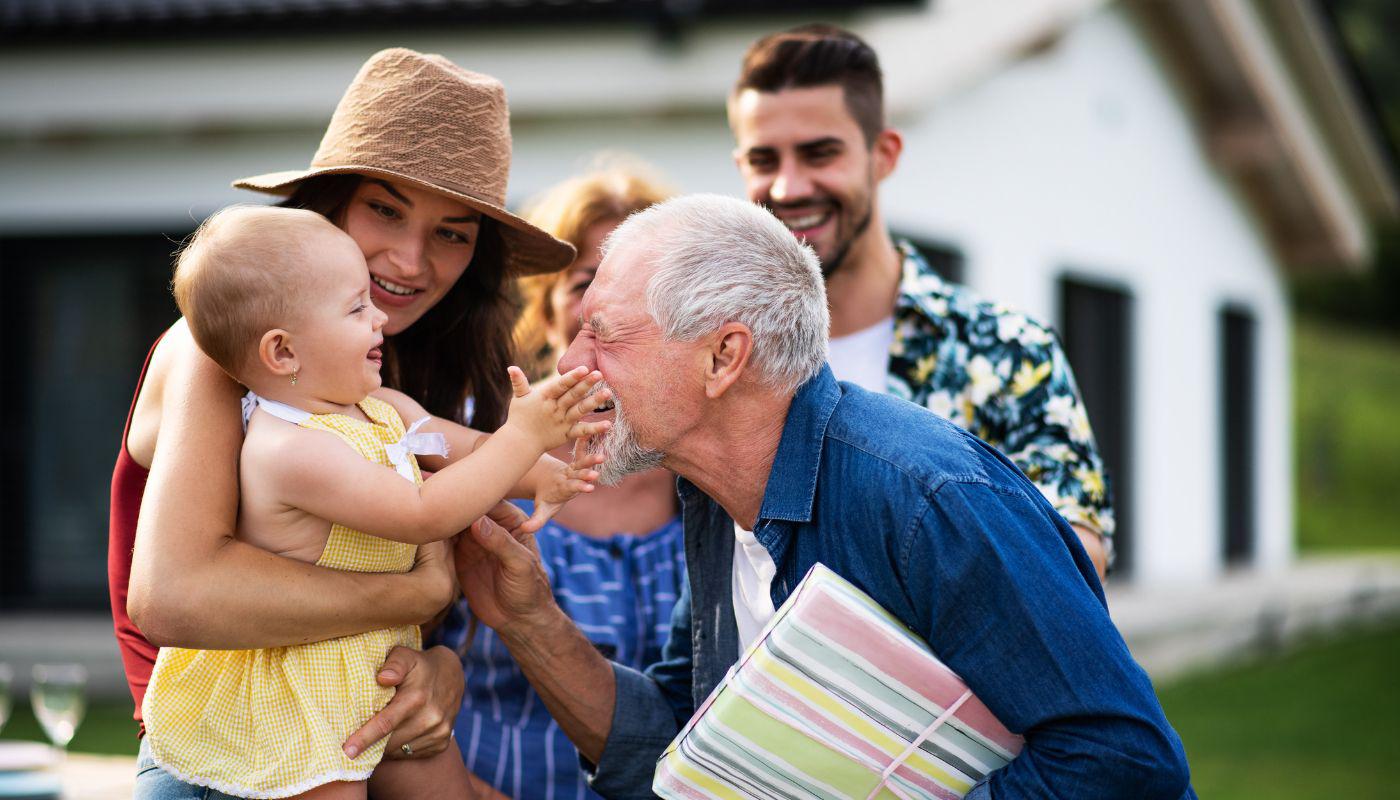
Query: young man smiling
x=812, y=145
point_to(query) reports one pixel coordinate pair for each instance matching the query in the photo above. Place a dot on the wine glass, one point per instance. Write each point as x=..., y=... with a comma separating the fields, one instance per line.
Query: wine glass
x=58, y=700
x=7, y=677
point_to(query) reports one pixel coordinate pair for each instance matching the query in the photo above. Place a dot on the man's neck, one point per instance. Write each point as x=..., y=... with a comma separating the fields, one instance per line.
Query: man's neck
x=864, y=288
x=730, y=455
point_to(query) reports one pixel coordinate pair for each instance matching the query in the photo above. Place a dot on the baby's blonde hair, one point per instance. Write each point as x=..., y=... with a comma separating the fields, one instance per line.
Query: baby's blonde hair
x=242, y=273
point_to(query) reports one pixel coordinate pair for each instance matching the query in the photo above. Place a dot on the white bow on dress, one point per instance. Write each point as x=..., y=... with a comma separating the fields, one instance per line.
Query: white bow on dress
x=411, y=443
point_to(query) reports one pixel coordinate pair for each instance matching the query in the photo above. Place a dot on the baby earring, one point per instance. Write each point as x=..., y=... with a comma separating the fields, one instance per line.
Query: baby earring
x=294, y=377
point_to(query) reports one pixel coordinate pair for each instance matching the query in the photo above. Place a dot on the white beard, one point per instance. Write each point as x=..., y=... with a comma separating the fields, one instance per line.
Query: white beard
x=622, y=454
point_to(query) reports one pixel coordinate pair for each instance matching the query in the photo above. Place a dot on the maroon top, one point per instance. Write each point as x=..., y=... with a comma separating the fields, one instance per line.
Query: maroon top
x=128, y=484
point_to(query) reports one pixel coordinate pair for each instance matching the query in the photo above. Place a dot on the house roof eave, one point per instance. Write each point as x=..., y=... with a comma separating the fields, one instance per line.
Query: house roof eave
x=1257, y=125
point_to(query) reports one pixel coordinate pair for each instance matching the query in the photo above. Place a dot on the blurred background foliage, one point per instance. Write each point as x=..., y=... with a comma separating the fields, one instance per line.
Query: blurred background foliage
x=1347, y=342
x=1318, y=720
x=1370, y=30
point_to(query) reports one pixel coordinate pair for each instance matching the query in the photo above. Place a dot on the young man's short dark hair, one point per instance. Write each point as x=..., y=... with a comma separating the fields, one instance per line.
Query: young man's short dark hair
x=819, y=55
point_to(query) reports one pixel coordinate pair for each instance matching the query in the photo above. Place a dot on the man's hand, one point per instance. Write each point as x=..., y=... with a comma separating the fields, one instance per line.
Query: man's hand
x=423, y=709
x=499, y=569
x=503, y=580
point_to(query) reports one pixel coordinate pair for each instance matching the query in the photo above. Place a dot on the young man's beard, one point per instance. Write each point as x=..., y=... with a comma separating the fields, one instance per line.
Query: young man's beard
x=619, y=446
x=843, y=249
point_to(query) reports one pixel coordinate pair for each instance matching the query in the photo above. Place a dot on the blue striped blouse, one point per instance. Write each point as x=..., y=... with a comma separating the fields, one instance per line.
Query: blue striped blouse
x=620, y=591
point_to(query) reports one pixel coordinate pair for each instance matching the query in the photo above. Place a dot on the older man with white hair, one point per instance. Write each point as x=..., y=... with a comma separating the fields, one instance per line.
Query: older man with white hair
x=708, y=321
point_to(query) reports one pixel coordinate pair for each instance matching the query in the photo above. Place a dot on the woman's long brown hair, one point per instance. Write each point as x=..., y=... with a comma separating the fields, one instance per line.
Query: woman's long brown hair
x=461, y=346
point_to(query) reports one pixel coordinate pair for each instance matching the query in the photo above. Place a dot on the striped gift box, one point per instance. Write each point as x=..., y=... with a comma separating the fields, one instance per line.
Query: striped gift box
x=836, y=699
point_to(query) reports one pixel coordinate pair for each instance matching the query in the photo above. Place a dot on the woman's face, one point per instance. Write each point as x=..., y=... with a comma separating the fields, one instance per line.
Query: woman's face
x=417, y=244
x=566, y=298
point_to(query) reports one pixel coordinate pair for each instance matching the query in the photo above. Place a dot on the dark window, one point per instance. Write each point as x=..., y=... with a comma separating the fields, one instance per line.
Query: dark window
x=1096, y=326
x=946, y=260
x=1237, y=407
x=82, y=314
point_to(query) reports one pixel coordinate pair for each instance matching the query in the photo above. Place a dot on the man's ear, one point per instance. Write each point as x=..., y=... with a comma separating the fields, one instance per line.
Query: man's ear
x=276, y=355
x=727, y=357
x=886, y=150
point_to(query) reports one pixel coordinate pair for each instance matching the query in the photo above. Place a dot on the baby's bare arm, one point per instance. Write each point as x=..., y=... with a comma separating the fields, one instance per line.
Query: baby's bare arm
x=462, y=441
x=321, y=476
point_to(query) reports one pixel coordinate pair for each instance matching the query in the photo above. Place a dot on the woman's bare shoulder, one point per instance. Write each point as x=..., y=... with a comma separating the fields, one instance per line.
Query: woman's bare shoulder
x=179, y=373
x=174, y=346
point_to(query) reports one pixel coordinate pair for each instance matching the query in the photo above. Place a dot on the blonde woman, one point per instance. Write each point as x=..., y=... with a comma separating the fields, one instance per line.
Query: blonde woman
x=615, y=557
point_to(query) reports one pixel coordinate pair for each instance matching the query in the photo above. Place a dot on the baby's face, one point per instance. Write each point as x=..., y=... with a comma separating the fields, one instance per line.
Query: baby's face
x=339, y=335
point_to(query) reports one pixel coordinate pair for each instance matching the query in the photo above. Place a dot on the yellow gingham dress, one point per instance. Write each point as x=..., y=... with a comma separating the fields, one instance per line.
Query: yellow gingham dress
x=271, y=723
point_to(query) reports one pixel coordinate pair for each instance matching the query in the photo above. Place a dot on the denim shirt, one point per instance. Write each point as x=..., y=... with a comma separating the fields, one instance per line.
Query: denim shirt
x=947, y=535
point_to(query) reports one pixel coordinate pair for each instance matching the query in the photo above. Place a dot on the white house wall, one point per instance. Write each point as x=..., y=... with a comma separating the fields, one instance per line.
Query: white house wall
x=1078, y=158
x=1081, y=159
x=150, y=183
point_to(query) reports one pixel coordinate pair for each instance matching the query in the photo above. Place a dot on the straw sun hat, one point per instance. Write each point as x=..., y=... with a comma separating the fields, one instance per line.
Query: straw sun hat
x=427, y=122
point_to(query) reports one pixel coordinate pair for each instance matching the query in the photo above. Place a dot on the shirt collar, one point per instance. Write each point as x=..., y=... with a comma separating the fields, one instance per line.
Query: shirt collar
x=792, y=483
x=920, y=287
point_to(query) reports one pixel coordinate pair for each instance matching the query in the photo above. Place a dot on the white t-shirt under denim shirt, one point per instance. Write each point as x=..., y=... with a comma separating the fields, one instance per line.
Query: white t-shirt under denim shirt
x=752, y=585
x=863, y=357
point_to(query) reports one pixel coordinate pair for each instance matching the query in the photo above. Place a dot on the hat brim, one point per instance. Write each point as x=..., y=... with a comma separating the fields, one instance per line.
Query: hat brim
x=528, y=250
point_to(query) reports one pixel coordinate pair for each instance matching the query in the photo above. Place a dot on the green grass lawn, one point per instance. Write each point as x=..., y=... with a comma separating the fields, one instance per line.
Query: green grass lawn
x=1347, y=423
x=106, y=728
x=1319, y=722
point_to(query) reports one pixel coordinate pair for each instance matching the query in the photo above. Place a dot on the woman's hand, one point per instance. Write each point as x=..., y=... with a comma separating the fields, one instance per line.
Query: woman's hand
x=435, y=580
x=418, y=720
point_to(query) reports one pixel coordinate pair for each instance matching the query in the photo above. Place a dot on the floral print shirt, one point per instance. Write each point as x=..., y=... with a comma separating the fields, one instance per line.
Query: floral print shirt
x=1003, y=377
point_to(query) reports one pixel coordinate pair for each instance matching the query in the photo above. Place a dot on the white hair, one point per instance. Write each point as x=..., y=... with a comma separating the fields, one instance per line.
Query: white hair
x=722, y=260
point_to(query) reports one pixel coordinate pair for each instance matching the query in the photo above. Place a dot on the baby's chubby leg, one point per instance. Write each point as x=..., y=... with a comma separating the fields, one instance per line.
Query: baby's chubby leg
x=443, y=775
x=335, y=790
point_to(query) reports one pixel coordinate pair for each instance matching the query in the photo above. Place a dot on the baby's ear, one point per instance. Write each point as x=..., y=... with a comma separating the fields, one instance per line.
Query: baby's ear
x=276, y=354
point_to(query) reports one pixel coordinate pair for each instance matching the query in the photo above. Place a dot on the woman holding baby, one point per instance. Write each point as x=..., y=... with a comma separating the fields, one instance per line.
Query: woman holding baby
x=413, y=169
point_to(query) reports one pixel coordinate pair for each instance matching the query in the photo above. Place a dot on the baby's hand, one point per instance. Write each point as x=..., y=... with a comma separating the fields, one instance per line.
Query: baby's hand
x=550, y=415
x=564, y=483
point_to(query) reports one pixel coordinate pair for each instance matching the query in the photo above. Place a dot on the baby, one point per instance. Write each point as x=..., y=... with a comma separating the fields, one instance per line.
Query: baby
x=328, y=474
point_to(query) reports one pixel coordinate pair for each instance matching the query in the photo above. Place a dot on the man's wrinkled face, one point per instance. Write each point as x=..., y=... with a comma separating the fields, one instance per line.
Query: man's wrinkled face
x=801, y=154
x=645, y=372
